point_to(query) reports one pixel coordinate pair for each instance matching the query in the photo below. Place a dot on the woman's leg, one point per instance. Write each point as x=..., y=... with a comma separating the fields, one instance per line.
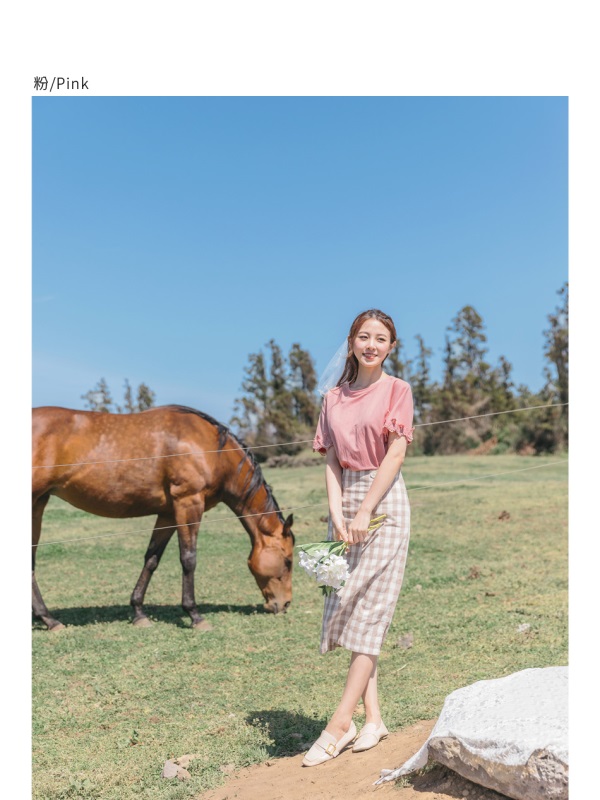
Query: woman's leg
x=359, y=683
x=371, y=700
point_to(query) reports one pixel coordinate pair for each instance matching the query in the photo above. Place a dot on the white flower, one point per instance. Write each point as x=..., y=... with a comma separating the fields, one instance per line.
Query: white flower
x=322, y=563
x=332, y=571
x=308, y=563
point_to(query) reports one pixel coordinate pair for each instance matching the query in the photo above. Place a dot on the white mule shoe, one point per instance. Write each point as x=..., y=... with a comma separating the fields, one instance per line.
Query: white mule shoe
x=370, y=735
x=327, y=747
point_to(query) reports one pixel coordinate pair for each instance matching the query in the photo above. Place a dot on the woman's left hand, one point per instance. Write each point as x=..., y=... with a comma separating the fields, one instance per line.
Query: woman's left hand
x=358, y=530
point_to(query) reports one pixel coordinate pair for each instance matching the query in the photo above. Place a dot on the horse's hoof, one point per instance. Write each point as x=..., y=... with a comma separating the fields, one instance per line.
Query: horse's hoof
x=202, y=626
x=142, y=622
x=58, y=626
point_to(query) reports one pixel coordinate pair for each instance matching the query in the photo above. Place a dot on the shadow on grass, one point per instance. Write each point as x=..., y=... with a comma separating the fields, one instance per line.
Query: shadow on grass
x=291, y=733
x=174, y=615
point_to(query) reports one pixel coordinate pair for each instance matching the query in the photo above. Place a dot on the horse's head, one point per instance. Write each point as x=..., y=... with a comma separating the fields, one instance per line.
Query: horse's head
x=271, y=562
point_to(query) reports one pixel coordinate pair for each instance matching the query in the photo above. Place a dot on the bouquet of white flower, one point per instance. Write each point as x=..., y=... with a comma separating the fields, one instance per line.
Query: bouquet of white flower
x=325, y=562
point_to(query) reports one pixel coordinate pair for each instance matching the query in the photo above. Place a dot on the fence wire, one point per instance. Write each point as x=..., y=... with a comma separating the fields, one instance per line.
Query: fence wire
x=290, y=508
x=280, y=444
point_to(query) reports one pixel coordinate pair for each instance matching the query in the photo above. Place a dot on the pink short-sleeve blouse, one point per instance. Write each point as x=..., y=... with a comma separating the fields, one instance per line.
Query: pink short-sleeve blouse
x=357, y=422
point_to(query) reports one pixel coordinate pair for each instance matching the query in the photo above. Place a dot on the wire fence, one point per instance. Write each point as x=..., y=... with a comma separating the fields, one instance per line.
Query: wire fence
x=292, y=508
x=281, y=444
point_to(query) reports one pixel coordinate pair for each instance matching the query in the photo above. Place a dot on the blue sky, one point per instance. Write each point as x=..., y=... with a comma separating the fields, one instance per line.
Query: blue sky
x=174, y=236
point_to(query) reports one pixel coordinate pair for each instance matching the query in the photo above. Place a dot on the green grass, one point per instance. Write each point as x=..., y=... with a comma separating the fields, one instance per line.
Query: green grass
x=112, y=702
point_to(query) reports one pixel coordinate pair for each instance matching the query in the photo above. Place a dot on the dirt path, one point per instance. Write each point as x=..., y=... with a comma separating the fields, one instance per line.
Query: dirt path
x=351, y=776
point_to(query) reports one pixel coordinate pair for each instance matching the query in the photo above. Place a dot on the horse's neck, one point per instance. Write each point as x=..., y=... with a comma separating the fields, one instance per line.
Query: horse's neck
x=256, y=510
x=251, y=512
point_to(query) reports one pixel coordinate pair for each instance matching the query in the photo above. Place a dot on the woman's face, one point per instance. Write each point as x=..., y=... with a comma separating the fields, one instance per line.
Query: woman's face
x=372, y=343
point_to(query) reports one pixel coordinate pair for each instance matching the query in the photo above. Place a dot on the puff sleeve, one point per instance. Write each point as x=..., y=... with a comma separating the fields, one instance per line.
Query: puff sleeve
x=399, y=416
x=322, y=441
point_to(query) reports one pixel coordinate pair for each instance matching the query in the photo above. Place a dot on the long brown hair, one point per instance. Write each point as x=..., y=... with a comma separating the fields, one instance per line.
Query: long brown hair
x=350, y=372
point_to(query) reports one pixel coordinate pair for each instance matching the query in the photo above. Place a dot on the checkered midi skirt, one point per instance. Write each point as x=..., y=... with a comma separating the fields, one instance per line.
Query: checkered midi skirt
x=359, y=614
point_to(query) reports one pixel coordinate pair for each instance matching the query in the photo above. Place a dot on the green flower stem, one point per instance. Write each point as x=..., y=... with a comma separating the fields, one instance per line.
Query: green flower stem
x=338, y=548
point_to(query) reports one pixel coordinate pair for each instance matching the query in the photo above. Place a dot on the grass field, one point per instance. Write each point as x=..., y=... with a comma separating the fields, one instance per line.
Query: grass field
x=112, y=702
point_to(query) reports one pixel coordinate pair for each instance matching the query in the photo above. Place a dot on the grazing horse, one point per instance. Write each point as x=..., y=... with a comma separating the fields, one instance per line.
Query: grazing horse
x=171, y=461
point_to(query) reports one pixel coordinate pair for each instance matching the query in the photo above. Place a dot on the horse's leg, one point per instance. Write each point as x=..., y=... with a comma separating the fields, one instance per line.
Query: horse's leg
x=163, y=530
x=39, y=607
x=188, y=515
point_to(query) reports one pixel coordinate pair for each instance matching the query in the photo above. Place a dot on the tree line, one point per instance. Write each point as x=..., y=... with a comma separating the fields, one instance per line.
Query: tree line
x=279, y=403
x=99, y=399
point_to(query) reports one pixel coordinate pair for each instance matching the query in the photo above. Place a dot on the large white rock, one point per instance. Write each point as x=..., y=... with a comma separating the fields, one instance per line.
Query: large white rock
x=508, y=734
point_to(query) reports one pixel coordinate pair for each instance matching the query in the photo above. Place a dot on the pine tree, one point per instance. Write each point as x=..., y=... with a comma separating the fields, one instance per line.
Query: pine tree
x=250, y=411
x=420, y=381
x=99, y=399
x=303, y=382
x=145, y=397
x=396, y=364
x=504, y=427
x=280, y=415
x=279, y=403
x=468, y=350
x=545, y=430
x=129, y=407
x=556, y=350
x=465, y=390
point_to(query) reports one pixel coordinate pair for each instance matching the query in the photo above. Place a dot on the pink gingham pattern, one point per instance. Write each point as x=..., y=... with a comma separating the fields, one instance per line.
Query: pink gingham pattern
x=359, y=614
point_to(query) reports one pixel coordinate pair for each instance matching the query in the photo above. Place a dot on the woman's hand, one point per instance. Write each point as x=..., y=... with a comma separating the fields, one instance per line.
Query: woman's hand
x=333, y=479
x=359, y=527
x=339, y=529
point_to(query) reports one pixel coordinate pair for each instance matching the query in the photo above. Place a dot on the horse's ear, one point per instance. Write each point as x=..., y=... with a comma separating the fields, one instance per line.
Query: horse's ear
x=288, y=524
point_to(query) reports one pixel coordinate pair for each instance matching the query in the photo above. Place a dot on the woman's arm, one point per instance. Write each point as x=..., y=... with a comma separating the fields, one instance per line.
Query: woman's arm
x=388, y=469
x=333, y=479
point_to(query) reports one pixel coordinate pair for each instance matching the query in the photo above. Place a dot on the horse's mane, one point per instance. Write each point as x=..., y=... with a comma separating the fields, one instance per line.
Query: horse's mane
x=257, y=478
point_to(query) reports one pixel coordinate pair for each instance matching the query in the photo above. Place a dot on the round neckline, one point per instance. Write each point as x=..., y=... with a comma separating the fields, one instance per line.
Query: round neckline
x=370, y=386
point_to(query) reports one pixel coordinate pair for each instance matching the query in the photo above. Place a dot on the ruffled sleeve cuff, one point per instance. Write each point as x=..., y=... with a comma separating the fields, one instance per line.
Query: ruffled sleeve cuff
x=391, y=426
x=322, y=440
x=321, y=445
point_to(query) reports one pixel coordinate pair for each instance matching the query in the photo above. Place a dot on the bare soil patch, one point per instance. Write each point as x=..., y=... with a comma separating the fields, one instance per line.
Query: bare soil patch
x=350, y=776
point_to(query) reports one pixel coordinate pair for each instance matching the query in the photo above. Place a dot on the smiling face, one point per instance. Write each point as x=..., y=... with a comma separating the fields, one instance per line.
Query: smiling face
x=372, y=344
x=372, y=337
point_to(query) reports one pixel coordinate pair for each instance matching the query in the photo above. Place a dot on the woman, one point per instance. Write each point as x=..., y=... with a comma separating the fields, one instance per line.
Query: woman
x=364, y=429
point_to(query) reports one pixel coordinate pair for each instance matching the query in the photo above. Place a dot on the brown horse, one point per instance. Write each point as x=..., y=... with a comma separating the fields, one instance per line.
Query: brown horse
x=162, y=462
